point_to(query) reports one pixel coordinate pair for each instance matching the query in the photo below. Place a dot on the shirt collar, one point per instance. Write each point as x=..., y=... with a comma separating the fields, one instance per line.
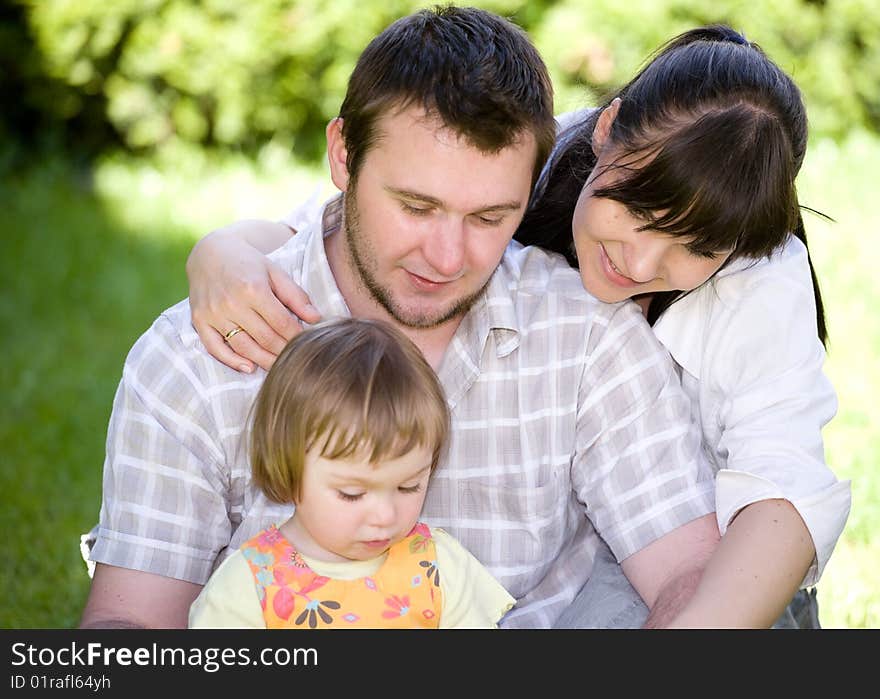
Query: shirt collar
x=683, y=324
x=493, y=312
x=680, y=329
x=317, y=277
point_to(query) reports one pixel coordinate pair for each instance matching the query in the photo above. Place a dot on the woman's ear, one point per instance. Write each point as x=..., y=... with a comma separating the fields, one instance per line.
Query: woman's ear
x=337, y=155
x=603, y=126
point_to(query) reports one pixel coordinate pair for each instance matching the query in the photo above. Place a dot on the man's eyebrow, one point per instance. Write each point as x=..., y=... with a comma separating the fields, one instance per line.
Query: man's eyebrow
x=433, y=201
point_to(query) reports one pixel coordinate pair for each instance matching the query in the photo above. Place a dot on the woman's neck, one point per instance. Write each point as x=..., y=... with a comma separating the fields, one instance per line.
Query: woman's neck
x=644, y=301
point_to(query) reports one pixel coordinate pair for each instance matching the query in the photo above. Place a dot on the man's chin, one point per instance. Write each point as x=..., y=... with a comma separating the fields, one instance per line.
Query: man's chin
x=425, y=321
x=427, y=318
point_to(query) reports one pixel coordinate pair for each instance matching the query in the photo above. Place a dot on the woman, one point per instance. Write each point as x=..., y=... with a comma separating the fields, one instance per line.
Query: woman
x=679, y=193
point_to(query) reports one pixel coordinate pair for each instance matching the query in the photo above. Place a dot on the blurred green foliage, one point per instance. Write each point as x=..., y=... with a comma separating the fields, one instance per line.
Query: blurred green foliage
x=228, y=74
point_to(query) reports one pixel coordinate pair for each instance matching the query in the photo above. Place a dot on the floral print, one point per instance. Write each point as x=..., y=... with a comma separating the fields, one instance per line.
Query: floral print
x=403, y=593
x=313, y=610
x=399, y=606
x=432, y=572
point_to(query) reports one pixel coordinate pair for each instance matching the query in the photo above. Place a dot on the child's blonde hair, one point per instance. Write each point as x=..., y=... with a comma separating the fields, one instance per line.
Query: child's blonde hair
x=346, y=387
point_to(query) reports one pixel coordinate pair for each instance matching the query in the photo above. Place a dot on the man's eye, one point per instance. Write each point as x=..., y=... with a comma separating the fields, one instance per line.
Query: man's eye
x=415, y=210
x=349, y=497
x=490, y=220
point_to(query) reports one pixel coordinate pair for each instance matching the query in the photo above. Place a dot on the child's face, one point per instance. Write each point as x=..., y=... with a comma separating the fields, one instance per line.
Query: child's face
x=353, y=510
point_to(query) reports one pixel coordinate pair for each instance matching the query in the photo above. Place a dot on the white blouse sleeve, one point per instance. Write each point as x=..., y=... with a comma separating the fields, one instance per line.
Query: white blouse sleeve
x=766, y=370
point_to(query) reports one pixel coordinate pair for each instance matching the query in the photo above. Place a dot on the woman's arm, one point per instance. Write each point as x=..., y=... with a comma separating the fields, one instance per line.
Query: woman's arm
x=234, y=285
x=753, y=574
x=763, y=401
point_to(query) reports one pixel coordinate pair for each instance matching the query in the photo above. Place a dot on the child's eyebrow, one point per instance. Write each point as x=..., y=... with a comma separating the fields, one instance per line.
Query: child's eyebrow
x=351, y=479
x=417, y=473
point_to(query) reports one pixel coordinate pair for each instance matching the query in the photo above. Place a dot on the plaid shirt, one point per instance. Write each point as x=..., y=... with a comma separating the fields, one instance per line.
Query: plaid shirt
x=568, y=421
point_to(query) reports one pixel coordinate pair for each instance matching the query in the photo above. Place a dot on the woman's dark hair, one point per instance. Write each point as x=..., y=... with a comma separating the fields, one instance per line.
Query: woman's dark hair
x=724, y=133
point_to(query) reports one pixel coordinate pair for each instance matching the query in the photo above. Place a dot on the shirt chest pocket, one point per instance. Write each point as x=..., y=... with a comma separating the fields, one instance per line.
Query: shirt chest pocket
x=524, y=525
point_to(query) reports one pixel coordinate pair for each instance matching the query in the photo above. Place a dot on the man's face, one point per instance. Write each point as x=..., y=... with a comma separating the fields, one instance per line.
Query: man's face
x=428, y=217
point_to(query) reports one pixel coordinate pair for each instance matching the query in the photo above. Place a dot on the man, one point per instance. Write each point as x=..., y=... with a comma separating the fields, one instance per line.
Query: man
x=568, y=421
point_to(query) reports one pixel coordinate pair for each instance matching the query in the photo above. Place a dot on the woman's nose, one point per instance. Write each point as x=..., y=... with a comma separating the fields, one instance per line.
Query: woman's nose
x=644, y=257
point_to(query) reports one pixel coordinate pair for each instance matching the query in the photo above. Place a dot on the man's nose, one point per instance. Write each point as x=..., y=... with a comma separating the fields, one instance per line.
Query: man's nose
x=444, y=247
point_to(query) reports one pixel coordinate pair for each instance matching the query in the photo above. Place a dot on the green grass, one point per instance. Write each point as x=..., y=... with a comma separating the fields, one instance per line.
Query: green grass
x=86, y=267
x=841, y=182
x=79, y=290
x=88, y=264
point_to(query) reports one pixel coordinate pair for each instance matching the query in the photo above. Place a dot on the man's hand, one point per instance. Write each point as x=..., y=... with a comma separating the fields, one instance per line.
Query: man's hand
x=132, y=599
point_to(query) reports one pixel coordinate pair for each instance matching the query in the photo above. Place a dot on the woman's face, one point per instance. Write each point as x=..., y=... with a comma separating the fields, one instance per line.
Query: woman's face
x=617, y=261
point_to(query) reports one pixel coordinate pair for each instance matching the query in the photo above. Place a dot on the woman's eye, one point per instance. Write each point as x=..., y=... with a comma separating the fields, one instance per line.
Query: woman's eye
x=705, y=254
x=349, y=497
x=640, y=214
x=411, y=488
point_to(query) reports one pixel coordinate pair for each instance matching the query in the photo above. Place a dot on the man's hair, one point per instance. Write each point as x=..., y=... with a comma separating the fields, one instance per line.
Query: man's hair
x=348, y=388
x=478, y=73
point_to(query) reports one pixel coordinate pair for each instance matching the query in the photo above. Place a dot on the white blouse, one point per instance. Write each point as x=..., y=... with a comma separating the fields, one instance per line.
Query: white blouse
x=751, y=362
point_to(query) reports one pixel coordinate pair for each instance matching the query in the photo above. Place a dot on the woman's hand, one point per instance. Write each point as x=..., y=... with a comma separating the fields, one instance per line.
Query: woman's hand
x=245, y=308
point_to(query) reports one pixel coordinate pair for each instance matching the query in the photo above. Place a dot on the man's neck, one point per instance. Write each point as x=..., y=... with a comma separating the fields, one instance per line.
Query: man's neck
x=433, y=342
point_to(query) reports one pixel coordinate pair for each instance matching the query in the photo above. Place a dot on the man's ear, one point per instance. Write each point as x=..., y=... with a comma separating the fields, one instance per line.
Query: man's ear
x=337, y=154
x=603, y=126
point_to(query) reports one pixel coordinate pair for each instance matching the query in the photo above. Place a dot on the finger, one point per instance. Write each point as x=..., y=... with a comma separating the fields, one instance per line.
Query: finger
x=245, y=346
x=260, y=332
x=292, y=295
x=279, y=319
x=220, y=350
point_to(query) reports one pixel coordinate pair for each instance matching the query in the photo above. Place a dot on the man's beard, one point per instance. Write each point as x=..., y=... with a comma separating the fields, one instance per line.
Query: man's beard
x=363, y=257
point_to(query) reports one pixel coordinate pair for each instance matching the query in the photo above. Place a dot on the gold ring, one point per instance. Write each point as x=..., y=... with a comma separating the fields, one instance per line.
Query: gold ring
x=232, y=333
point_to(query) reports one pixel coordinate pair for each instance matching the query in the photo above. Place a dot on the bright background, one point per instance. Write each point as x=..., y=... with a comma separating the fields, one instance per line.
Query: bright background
x=131, y=128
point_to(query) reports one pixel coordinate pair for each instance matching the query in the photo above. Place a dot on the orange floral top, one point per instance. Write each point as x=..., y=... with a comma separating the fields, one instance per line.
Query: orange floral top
x=404, y=593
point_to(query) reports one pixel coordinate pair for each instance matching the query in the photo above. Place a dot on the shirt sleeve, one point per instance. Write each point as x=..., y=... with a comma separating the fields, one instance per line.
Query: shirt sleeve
x=638, y=467
x=229, y=599
x=472, y=598
x=767, y=365
x=164, y=507
x=566, y=119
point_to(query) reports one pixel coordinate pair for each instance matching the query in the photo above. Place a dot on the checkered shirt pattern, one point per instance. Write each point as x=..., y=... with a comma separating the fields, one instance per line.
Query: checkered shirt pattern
x=568, y=422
